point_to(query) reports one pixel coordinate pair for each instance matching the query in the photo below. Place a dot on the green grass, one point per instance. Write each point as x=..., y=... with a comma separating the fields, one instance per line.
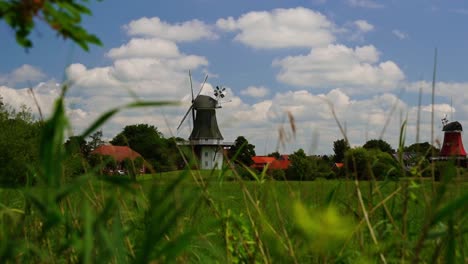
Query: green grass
x=230, y=221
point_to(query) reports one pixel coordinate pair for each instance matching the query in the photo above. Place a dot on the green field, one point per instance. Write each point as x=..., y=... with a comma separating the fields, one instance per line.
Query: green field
x=205, y=217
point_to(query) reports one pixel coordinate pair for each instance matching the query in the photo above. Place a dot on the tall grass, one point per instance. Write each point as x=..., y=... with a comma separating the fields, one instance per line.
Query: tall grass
x=196, y=216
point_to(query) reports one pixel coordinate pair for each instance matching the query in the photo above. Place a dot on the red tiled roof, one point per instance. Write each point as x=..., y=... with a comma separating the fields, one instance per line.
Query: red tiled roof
x=339, y=164
x=119, y=153
x=261, y=161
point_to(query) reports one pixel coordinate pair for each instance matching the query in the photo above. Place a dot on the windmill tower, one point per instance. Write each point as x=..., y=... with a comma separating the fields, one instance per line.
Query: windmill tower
x=453, y=144
x=206, y=139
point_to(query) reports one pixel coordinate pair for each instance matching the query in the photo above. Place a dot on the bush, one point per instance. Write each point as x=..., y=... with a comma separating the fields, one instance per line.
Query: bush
x=279, y=175
x=369, y=164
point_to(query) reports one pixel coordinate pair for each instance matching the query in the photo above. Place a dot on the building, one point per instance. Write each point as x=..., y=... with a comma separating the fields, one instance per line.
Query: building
x=119, y=154
x=260, y=162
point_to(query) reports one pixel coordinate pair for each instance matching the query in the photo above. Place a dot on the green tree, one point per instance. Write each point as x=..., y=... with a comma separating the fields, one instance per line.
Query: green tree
x=62, y=16
x=145, y=139
x=422, y=149
x=19, y=144
x=77, y=144
x=378, y=144
x=358, y=163
x=275, y=154
x=243, y=151
x=340, y=147
x=301, y=167
x=95, y=140
x=370, y=164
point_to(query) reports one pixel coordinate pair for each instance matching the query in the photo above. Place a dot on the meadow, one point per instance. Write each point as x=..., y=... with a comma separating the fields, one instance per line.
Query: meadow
x=216, y=217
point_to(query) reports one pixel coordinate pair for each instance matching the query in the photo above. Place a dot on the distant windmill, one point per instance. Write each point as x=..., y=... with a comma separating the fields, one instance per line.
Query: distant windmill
x=206, y=138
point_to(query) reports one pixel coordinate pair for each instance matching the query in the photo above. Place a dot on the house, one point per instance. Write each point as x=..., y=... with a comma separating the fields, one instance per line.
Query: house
x=259, y=162
x=119, y=154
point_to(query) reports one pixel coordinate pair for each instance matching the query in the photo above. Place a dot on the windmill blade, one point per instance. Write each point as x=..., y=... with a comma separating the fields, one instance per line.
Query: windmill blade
x=193, y=99
x=191, y=86
x=185, y=116
x=201, y=88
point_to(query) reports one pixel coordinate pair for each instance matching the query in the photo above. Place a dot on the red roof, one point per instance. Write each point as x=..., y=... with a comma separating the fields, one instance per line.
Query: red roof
x=261, y=161
x=119, y=153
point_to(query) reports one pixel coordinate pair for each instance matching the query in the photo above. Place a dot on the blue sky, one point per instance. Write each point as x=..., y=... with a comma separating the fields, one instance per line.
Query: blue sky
x=368, y=59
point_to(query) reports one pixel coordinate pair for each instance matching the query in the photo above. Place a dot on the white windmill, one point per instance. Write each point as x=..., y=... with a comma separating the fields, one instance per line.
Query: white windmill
x=206, y=139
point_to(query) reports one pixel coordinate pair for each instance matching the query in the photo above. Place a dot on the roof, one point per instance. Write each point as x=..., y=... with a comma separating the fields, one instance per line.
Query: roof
x=119, y=153
x=263, y=159
x=453, y=126
x=273, y=163
x=204, y=101
x=339, y=164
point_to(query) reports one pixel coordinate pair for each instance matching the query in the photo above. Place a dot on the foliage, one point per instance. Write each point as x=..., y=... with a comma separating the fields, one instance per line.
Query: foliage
x=95, y=140
x=371, y=164
x=422, y=149
x=242, y=150
x=275, y=154
x=301, y=167
x=63, y=16
x=339, y=148
x=161, y=153
x=77, y=145
x=19, y=145
x=379, y=144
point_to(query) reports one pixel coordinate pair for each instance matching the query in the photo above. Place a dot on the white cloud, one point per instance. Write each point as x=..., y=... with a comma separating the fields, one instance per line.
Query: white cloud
x=364, y=3
x=340, y=66
x=181, y=32
x=25, y=73
x=145, y=48
x=281, y=28
x=363, y=25
x=358, y=29
x=399, y=34
x=254, y=91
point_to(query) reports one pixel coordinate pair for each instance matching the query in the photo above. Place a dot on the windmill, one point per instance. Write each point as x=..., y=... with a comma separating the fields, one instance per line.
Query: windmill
x=206, y=139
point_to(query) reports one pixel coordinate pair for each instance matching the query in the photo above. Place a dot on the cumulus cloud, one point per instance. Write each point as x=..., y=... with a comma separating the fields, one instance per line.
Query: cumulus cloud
x=399, y=34
x=181, y=32
x=24, y=74
x=254, y=91
x=340, y=66
x=357, y=29
x=281, y=28
x=363, y=25
x=144, y=48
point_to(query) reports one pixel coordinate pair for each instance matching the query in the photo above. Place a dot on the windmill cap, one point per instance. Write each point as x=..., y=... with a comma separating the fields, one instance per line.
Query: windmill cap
x=453, y=126
x=204, y=101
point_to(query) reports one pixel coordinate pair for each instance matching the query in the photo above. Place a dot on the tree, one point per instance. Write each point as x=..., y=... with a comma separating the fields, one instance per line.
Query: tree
x=62, y=16
x=19, y=145
x=301, y=167
x=424, y=149
x=379, y=144
x=275, y=154
x=368, y=164
x=242, y=151
x=161, y=153
x=340, y=147
x=96, y=140
x=77, y=144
